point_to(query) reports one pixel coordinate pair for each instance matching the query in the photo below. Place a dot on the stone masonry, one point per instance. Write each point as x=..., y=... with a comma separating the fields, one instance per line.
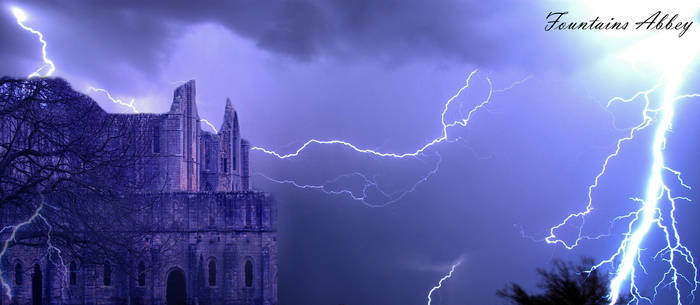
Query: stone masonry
x=220, y=235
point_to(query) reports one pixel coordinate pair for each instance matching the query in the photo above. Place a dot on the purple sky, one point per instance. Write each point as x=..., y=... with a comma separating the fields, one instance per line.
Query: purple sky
x=377, y=74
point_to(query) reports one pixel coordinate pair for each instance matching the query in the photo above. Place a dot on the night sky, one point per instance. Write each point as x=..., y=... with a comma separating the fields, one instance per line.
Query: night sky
x=377, y=74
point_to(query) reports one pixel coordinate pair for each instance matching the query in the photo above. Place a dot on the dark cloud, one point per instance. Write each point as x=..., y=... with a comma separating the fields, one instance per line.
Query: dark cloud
x=139, y=32
x=393, y=65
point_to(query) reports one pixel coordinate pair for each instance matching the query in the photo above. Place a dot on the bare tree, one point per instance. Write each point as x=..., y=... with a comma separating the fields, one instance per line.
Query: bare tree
x=70, y=173
x=564, y=284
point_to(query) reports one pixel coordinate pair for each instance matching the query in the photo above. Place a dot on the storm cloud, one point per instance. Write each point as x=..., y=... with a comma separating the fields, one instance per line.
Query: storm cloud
x=378, y=74
x=140, y=33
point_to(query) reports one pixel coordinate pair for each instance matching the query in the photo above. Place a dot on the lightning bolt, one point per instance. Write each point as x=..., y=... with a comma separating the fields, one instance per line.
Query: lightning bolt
x=657, y=207
x=442, y=280
x=444, y=136
x=132, y=107
x=13, y=229
x=13, y=235
x=646, y=121
x=650, y=214
x=368, y=183
x=372, y=183
x=205, y=121
x=129, y=105
x=48, y=65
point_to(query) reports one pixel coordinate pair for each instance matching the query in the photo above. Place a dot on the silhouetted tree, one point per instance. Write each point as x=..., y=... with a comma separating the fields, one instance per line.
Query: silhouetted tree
x=66, y=160
x=564, y=284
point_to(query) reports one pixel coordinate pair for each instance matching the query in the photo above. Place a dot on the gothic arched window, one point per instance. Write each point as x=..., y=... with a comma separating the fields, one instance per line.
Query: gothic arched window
x=37, y=284
x=18, y=274
x=248, y=274
x=142, y=274
x=212, y=273
x=73, y=273
x=107, y=274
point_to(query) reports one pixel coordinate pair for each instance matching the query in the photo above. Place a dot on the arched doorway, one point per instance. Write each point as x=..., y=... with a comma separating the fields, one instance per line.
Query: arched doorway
x=36, y=285
x=175, y=292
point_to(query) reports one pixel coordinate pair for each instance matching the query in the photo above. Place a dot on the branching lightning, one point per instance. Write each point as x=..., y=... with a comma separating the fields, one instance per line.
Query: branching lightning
x=650, y=212
x=48, y=67
x=657, y=207
x=129, y=105
x=443, y=136
x=626, y=261
x=390, y=198
x=13, y=229
x=50, y=248
x=442, y=280
x=646, y=121
x=132, y=107
x=368, y=183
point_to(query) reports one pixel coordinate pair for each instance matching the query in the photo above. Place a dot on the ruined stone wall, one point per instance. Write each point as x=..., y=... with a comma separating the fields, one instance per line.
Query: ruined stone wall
x=203, y=211
x=189, y=230
x=185, y=158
